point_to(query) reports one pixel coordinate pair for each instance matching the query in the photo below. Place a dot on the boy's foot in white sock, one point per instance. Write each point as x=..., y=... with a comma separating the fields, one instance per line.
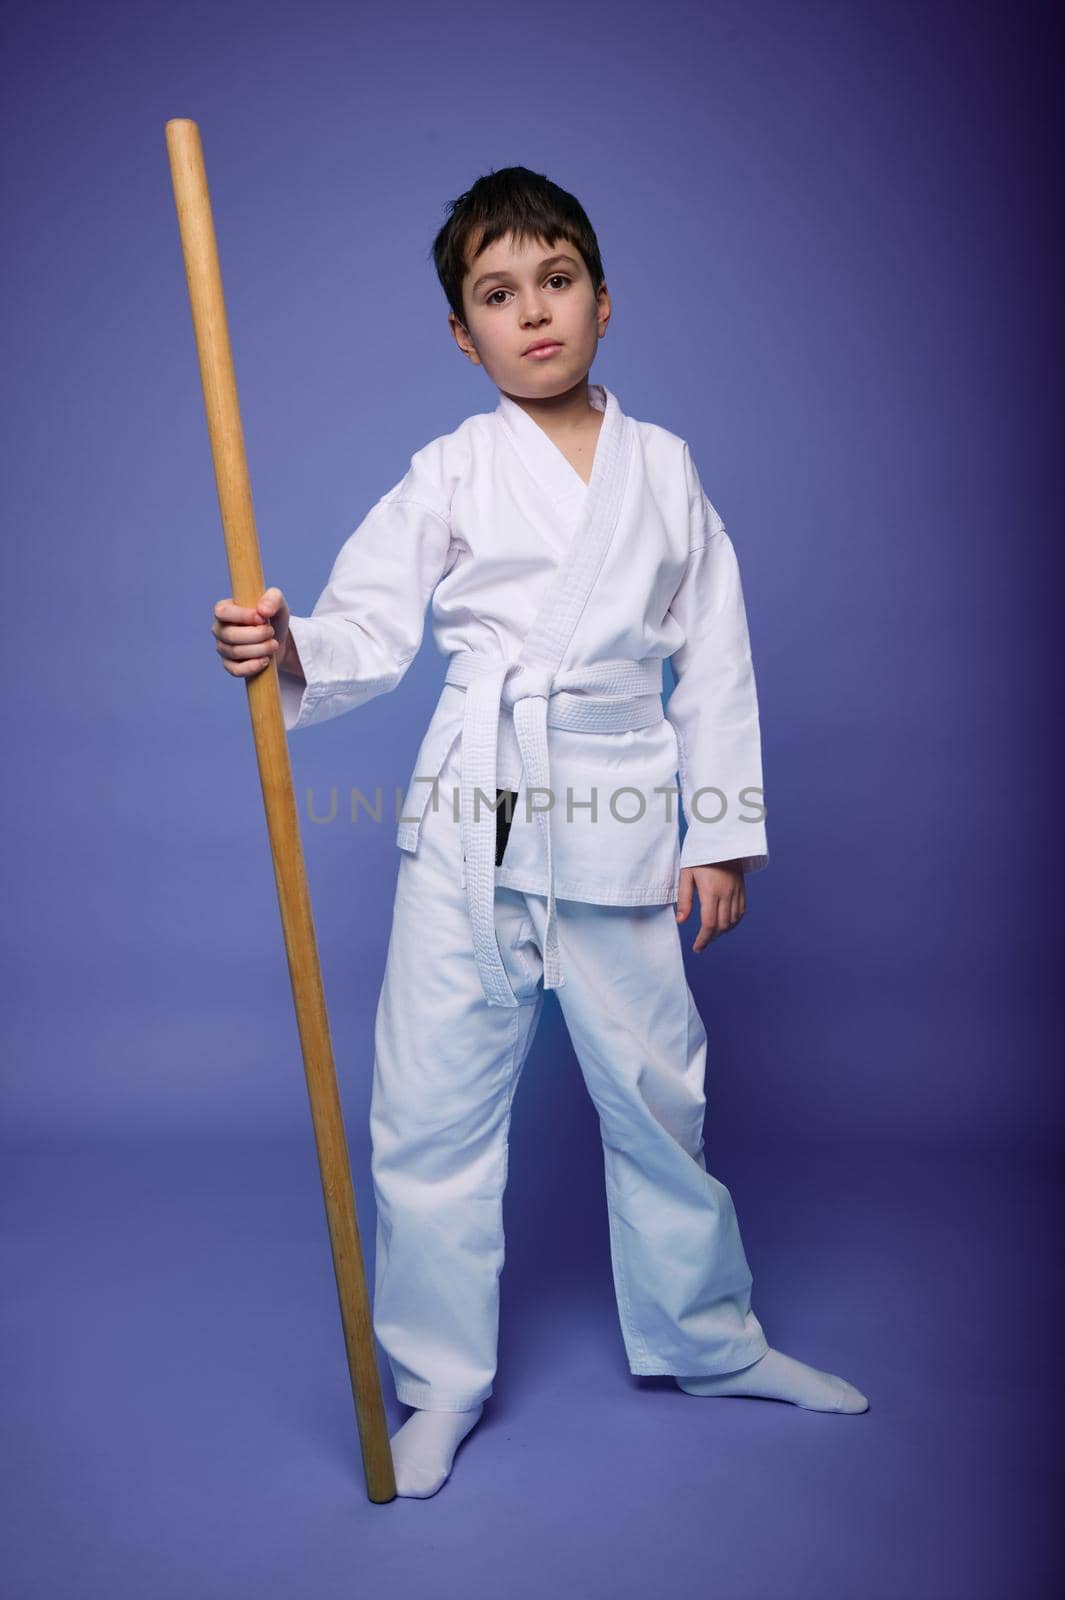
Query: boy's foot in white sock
x=776, y=1376
x=424, y=1448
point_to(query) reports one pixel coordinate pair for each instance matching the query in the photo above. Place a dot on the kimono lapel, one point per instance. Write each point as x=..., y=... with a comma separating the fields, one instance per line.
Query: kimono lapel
x=553, y=475
x=593, y=524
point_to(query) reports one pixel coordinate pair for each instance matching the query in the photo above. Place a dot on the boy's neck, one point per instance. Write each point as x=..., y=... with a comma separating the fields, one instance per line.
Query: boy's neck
x=562, y=415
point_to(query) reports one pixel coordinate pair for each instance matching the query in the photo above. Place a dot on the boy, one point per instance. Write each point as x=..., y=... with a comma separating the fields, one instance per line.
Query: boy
x=567, y=549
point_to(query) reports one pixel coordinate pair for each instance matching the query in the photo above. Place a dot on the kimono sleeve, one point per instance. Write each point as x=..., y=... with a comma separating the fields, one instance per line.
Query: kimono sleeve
x=714, y=704
x=366, y=625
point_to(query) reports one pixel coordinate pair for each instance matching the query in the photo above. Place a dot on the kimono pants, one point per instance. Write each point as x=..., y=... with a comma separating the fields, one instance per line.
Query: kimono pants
x=446, y=1066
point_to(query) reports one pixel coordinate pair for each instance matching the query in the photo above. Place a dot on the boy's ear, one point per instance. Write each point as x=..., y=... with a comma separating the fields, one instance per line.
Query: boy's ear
x=462, y=338
x=603, y=307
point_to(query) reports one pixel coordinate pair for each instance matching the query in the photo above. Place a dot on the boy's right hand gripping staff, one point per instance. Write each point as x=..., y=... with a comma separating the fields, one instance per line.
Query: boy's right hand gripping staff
x=250, y=637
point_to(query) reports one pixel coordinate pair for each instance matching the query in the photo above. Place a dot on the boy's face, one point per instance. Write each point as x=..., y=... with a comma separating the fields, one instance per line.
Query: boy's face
x=516, y=295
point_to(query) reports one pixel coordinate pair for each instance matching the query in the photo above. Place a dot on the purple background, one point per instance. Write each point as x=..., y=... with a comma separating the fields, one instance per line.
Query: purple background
x=830, y=233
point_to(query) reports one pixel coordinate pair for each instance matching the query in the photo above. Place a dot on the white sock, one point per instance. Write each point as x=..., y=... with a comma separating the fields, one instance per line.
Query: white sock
x=424, y=1448
x=776, y=1376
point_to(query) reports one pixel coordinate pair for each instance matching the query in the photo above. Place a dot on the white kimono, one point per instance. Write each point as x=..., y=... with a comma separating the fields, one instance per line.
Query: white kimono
x=555, y=604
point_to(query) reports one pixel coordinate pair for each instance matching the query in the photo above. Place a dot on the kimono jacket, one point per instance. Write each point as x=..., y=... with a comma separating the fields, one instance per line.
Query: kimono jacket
x=555, y=604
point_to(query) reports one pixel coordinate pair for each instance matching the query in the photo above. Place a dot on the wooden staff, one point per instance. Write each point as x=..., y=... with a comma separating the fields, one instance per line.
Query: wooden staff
x=200, y=250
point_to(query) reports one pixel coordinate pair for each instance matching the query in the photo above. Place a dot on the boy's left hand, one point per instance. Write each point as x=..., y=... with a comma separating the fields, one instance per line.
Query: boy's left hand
x=722, y=900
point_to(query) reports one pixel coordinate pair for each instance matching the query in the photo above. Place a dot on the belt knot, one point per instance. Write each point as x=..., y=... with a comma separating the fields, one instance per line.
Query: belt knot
x=528, y=682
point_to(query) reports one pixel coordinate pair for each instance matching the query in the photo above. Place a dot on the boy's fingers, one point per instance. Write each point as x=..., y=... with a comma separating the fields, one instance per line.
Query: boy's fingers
x=710, y=921
x=245, y=669
x=719, y=912
x=684, y=895
x=229, y=611
x=243, y=652
x=232, y=634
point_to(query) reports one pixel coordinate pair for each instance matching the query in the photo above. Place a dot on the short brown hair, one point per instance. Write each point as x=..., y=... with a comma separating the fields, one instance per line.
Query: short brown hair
x=512, y=200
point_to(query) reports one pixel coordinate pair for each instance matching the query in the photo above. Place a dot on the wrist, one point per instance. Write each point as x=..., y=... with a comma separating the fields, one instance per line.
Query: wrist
x=288, y=661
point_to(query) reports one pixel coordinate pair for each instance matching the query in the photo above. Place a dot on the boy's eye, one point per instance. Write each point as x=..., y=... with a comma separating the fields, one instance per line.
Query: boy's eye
x=490, y=299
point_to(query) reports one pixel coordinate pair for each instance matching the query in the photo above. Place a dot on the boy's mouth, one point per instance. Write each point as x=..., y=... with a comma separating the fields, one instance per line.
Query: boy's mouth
x=542, y=348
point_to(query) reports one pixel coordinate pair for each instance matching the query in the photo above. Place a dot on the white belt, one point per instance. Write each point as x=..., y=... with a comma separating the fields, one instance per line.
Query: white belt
x=631, y=697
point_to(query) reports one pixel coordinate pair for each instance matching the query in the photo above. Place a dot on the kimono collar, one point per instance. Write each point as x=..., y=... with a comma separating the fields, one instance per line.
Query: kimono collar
x=544, y=459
